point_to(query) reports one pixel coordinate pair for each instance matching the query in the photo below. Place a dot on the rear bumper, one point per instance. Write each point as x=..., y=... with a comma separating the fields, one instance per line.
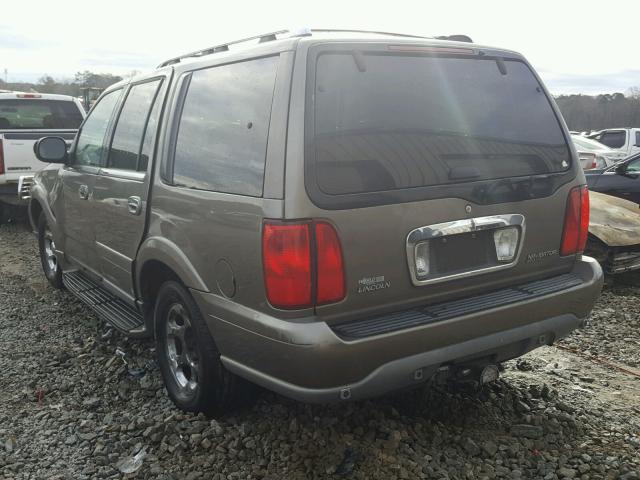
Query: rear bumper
x=621, y=261
x=13, y=192
x=311, y=362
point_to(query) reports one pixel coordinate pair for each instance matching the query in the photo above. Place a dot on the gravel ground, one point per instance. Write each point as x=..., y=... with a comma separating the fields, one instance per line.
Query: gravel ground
x=78, y=400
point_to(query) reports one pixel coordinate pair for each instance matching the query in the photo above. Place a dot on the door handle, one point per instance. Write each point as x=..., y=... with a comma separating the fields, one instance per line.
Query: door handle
x=83, y=191
x=134, y=205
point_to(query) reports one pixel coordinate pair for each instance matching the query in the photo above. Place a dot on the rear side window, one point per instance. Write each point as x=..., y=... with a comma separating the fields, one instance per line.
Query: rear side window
x=23, y=114
x=222, y=137
x=637, y=139
x=128, y=135
x=615, y=139
x=385, y=121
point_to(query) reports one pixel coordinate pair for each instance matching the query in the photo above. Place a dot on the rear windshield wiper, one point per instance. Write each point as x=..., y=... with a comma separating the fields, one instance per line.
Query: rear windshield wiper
x=501, y=66
x=359, y=60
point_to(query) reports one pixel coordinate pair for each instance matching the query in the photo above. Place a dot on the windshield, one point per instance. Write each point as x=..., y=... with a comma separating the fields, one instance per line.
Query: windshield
x=589, y=144
x=23, y=114
x=386, y=121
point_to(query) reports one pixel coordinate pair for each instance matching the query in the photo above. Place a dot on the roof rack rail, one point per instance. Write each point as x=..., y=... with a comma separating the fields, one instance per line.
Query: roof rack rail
x=223, y=47
x=268, y=37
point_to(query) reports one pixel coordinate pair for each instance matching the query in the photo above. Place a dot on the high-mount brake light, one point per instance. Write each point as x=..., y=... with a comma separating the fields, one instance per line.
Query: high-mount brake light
x=303, y=264
x=576, y=222
x=28, y=95
x=430, y=49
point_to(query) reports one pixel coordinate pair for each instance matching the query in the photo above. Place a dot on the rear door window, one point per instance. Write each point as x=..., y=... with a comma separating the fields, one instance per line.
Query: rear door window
x=90, y=144
x=222, y=138
x=150, y=135
x=128, y=136
x=614, y=139
x=384, y=121
x=25, y=114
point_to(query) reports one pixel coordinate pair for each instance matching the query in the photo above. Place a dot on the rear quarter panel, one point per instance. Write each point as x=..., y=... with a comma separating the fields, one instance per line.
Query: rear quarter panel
x=215, y=239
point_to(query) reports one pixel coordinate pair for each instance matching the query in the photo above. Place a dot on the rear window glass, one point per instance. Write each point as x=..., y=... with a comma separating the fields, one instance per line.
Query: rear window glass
x=397, y=121
x=222, y=139
x=615, y=139
x=127, y=138
x=22, y=114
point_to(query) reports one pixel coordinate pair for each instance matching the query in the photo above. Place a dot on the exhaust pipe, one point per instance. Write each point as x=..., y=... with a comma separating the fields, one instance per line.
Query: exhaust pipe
x=475, y=375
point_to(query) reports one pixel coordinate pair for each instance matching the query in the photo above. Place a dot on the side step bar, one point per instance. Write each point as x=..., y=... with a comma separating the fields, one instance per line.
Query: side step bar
x=106, y=305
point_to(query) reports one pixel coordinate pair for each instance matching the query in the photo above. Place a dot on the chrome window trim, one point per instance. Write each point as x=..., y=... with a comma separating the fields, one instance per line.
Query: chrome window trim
x=467, y=225
x=125, y=174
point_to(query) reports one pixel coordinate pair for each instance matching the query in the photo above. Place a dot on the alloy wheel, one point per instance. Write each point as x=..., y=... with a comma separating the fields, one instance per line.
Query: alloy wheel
x=182, y=352
x=50, y=251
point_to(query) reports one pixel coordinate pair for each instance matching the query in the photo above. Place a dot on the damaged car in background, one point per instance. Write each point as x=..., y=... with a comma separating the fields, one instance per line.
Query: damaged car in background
x=614, y=233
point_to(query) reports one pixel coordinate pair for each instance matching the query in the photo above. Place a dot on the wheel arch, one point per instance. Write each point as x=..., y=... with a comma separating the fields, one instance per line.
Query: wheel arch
x=164, y=251
x=38, y=204
x=34, y=210
x=160, y=260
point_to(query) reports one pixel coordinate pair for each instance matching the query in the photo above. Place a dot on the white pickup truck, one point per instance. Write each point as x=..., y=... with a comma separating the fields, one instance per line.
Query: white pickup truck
x=625, y=140
x=24, y=118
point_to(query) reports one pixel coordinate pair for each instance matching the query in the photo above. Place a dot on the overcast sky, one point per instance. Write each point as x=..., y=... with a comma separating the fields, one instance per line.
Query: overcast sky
x=574, y=48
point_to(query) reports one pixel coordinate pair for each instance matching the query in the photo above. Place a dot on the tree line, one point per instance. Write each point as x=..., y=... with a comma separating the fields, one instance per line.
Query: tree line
x=47, y=84
x=585, y=112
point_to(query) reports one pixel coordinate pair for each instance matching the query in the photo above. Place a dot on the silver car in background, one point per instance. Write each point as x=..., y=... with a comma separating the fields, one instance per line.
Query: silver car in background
x=594, y=154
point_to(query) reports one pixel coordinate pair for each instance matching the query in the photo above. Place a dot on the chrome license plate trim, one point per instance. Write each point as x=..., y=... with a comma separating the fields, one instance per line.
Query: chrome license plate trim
x=455, y=227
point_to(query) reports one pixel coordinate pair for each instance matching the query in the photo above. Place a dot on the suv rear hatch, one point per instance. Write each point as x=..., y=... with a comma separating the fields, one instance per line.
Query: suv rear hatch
x=445, y=171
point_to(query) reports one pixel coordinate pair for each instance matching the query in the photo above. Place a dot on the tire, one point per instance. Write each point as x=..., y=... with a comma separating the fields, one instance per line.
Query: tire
x=5, y=213
x=46, y=244
x=188, y=357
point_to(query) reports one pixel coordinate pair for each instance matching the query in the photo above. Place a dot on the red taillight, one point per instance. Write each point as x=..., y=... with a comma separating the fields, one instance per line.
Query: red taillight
x=286, y=256
x=1, y=157
x=295, y=261
x=330, y=271
x=588, y=160
x=576, y=222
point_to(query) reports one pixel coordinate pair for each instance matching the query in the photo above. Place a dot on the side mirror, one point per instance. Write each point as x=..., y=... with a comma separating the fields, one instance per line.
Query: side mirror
x=621, y=169
x=51, y=150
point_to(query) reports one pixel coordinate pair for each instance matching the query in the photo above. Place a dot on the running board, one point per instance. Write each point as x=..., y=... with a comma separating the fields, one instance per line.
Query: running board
x=106, y=305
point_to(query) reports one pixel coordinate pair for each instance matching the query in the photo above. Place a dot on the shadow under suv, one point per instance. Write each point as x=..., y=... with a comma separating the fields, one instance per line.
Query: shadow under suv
x=332, y=215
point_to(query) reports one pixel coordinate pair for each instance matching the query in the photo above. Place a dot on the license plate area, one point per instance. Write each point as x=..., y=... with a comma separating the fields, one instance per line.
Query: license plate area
x=462, y=252
x=444, y=251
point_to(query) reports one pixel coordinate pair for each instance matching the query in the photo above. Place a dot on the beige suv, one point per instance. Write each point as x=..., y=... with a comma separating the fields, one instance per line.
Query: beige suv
x=332, y=215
